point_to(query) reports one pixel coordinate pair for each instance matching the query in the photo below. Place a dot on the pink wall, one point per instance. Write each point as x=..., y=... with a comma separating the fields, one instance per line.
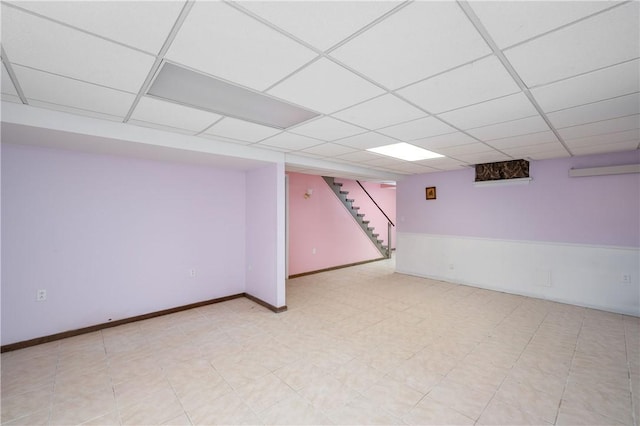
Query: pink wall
x=386, y=199
x=111, y=237
x=322, y=223
x=599, y=210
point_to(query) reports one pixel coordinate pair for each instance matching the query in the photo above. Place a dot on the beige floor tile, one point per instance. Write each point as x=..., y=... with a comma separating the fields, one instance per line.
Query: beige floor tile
x=264, y=392
x=293, y=410
x=529, y=400
x=327, y=393
x=229, y=409
x=110, y=419
x=156, y=408
x=500, y=413
x=393, y=396
x=81, y=408
x=34, y=419
x=573, y=415
x=599, y=398
x=462, y=398
x=357, y=375
x=431, y=412
x=300, y=374
x=361, y=411
x=20, y=405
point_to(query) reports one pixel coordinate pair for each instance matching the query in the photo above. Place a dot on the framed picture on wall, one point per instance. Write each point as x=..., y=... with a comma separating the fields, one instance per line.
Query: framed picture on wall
x=431, y=192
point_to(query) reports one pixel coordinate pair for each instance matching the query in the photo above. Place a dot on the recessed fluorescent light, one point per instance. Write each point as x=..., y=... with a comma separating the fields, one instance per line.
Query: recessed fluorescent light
x=186, y=87
x=405, y=151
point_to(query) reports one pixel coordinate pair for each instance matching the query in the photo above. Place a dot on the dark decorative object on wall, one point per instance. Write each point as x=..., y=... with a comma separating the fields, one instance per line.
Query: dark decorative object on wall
x=431, y=192
x=514, y=169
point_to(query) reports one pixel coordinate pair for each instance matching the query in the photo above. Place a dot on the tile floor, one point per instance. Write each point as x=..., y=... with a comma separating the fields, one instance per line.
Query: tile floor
x=362, y=345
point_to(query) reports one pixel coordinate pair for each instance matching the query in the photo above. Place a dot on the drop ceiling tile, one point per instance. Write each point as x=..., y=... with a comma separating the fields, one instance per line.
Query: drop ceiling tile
x=417, y=129
x=11, y=98
x=443, y=163
x=160, y=127
x=380, y=112
x=510, y=22
x=598, y=111
x=601, y=127
x=472, y=148
x=412, y=168
x=599, y=149
x=524, y=140
x=476, y=82
x=241, y=130
x=548, y=155
x=41, y=86
x=169, y=114
x=256, y=56
x=326, y=87
x=75, y=111
x=603, y=40
x=420, y=40
x=218, y=138
x=608, y=138
x=321, y=24
x=443, y=141
x=329, y=150
x=483, y=157
x=595, y=86
x=6, y=84
x=45, y=45
x=508, y=108
x=510, y=128
x=367, y=140
x=116, y=20
x=290, y=141
x=327, y=129
x=384, y=161
x=358, y=156
x=528, y=151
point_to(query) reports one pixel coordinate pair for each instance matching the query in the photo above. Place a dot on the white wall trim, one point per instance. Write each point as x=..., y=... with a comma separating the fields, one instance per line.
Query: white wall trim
x=503, y=182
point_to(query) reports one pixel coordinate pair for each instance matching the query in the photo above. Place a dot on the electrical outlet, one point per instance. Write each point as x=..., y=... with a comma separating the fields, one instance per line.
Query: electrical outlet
x=192, y=273
x=625, y=278
x=41, y=295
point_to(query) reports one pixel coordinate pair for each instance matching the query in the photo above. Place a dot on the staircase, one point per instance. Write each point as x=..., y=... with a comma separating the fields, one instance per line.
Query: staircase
x=359, y=217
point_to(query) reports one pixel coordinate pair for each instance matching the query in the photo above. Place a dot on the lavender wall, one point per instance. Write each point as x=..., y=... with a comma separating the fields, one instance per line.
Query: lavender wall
x=111, y=237
x=599, y=210
x=322, y=223
x=264, y=234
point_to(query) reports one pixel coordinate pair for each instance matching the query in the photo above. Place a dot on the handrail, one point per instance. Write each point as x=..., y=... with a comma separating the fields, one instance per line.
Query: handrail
x=374, y=202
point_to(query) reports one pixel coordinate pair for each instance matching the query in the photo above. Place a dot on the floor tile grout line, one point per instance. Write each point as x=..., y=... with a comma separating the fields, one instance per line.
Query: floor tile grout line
x=573, y=357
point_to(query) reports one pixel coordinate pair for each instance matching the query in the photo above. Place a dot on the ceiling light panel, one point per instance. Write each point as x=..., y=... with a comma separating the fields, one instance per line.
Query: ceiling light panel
x=380, y=112
x=595, y=86
x=7, y=85
x=290, y=142
x=510, y=128
x=524, y=140
x=597, y=111
x=38, y=85
x=327, y=129
x=440, y=141
x=511, y=22
x=326, y=87
x=476, y=82
x=45, y=45
x=241, y=130
x=498, y=110
x=367, y=140
x=420, y=40
x=405, y=151
x=321, y=24
x=601, y=127
x=329, y=150
x=117, y=20
x=173, y=115
x=417, y=129
x=626, y=136
x=606, y=39
x=192, y=88
x=222, y=41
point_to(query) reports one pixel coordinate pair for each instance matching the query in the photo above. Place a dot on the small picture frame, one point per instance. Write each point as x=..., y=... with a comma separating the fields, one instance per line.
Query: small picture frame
x=431, y=192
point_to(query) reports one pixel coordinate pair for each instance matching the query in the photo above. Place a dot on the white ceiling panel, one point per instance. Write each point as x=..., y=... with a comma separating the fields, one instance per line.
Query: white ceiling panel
x=526, y=151
x=603, y=40
x=384, y=161
x=11, y=98
x=598, y=111
x=117, y=20
x=483, y=157
x=289, y=141
x=601, y=127
x=417, y=129
x=444, y=141
x=548, y=155
x=41, y=86
x=420, y=40
x=601, y=149
x=327, y=129
x=321, y=24
x=160, y=127
x=476, y=82
x=510, y=128
x=75, y=111
x=7, y=85
x=498, y=110
x=380, y=112
x=222, y=41
x=328, y=150
x=326, y=87
x=45, y=45
x=358, y=156
x=626, y=136
x=512, y=22
x=367, y=140
x=472, y=148
x=409, y=167
x=218, y=138
x=169, y=114
x=241, y=130
x=595, y=86
x=524, y=140
x=442, y=163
